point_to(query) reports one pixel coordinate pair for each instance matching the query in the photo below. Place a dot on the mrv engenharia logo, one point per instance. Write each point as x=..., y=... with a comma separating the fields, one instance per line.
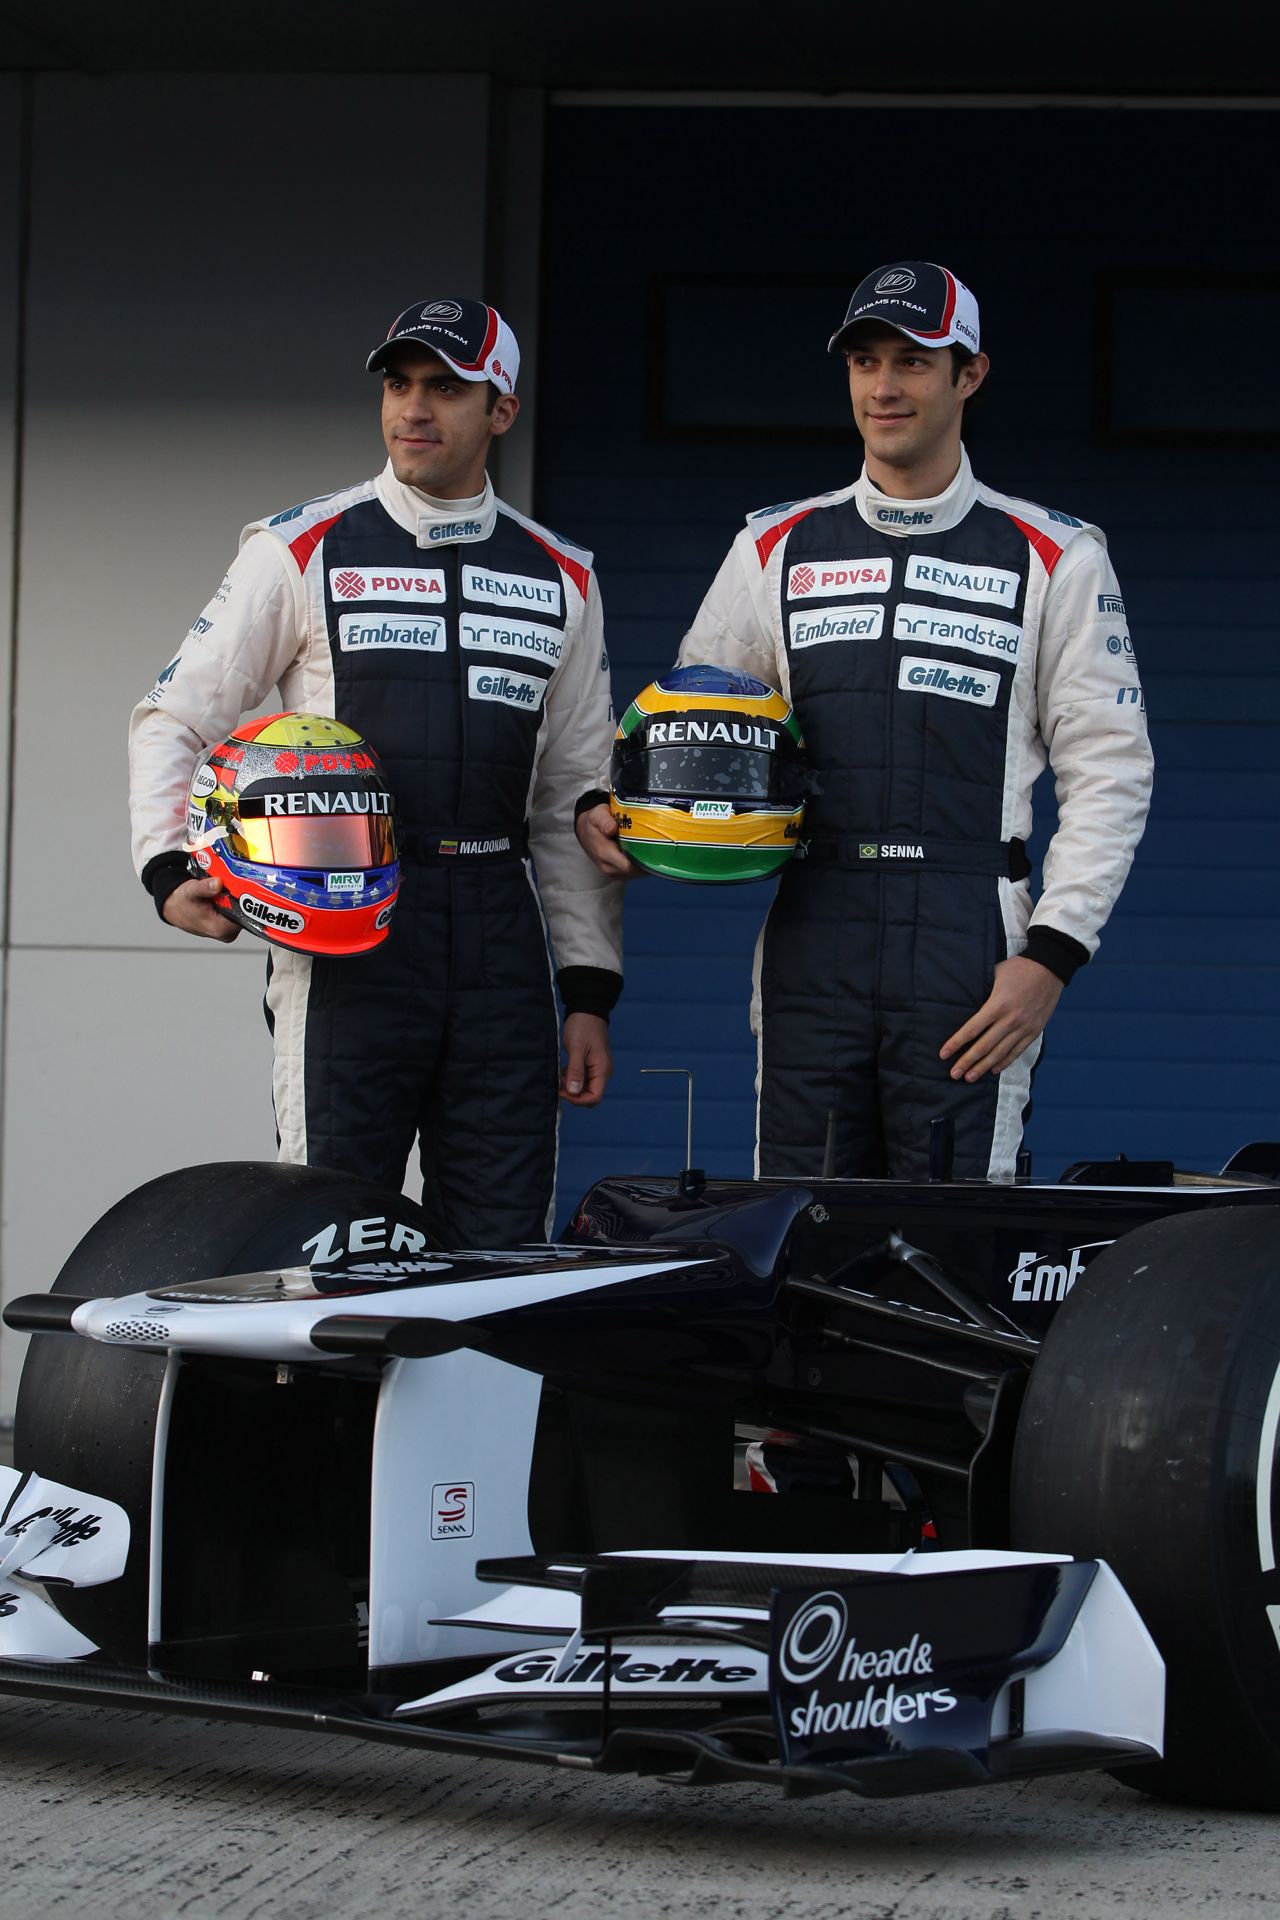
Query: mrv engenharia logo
x=860, y=1686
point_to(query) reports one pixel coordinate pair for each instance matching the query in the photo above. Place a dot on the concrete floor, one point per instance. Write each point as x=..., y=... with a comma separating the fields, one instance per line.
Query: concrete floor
x=133, y=1816
x=147, y=1817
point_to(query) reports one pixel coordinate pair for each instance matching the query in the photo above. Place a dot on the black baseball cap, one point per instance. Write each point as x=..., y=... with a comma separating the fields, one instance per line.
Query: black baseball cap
x=471, y=337
x=915, y=297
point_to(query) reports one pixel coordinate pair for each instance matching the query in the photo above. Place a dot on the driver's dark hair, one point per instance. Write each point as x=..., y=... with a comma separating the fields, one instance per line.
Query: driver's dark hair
x=960, y=358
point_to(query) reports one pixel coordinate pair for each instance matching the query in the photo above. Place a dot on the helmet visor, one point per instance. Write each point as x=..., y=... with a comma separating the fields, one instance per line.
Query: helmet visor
x=747, y=774
x=348, y=842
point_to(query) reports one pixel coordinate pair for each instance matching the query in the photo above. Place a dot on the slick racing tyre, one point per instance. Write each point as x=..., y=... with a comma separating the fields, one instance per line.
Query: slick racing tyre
x=86, y=1413
x=1148, y=1439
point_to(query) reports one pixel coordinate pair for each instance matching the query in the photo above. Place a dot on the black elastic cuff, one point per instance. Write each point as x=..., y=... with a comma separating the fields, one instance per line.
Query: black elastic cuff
x=598, y=797
x=162, y=874
x=589, y=990
x=1057, y=951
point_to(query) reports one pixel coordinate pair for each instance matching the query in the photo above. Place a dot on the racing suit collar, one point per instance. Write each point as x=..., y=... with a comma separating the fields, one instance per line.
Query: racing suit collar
x=433, y=522
x=904, y=517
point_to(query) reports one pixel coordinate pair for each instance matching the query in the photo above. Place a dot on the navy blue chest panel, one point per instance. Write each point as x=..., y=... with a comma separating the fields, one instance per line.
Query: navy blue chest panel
x=442, y=656
x=902, y=654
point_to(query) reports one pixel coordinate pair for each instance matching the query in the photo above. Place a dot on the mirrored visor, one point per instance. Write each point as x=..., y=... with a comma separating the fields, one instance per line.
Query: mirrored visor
x=347, y=842
x=707, y=773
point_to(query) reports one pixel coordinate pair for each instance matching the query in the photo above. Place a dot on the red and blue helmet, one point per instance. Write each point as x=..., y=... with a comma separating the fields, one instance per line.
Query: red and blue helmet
x=294, y=816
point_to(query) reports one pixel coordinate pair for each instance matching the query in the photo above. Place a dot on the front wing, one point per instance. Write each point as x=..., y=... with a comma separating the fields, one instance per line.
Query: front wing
x=880, y=1674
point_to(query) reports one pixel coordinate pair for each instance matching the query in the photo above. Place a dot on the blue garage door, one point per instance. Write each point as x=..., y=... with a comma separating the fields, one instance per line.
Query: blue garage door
x=695, y=259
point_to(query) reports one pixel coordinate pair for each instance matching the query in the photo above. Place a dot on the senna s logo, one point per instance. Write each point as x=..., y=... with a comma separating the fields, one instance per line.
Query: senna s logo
x=897, y=280
x=453, y=1510
x=442, y=310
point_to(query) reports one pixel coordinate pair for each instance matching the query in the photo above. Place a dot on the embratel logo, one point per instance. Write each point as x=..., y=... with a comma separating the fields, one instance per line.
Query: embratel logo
x=453, y=1510
x=357, y=632
x=836, y=623
x=1039, y=1278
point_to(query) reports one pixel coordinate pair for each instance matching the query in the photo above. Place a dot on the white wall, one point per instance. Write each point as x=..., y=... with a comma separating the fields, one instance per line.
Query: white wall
x=211, y=260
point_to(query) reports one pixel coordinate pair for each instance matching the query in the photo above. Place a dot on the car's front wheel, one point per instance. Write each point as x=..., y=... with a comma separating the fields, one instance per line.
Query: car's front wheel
x=86, y=1413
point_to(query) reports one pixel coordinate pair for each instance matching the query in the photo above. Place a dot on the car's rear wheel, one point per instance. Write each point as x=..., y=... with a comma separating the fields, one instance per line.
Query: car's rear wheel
x=86, y=1413
x=1148, y=1439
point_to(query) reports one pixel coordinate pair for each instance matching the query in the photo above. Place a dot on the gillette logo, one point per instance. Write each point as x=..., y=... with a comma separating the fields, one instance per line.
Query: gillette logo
x=930, y=676
x=899, y=517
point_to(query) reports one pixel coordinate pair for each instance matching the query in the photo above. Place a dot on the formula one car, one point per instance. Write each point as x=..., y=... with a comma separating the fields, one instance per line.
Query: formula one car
x=846, y=1484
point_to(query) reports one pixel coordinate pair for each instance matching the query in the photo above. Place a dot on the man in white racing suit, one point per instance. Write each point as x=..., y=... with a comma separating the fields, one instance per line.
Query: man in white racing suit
x=939, y=643
x=465, y=643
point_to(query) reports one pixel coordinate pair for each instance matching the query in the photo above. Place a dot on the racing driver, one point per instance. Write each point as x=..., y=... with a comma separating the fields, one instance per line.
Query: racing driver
x=938, y=642
x=465, y=643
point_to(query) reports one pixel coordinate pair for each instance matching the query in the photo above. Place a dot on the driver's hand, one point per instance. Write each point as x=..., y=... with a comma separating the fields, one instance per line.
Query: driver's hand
x=190, y=908
x=597, y=832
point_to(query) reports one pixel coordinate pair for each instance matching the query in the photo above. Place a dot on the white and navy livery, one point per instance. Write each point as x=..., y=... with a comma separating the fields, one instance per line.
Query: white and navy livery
x=277, y=1458
x=465, y=642
x=938, y=653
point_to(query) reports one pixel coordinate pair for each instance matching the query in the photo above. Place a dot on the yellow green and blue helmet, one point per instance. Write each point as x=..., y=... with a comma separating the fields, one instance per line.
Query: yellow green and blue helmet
x=708, y=778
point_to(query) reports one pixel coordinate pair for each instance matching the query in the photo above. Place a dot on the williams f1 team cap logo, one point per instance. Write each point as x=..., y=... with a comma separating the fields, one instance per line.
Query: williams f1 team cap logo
x=472, y=338
x=917, y=298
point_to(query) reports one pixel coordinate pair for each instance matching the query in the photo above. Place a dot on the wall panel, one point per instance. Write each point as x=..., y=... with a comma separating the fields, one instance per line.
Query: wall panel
x=212, y=259
x=1032, y=209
